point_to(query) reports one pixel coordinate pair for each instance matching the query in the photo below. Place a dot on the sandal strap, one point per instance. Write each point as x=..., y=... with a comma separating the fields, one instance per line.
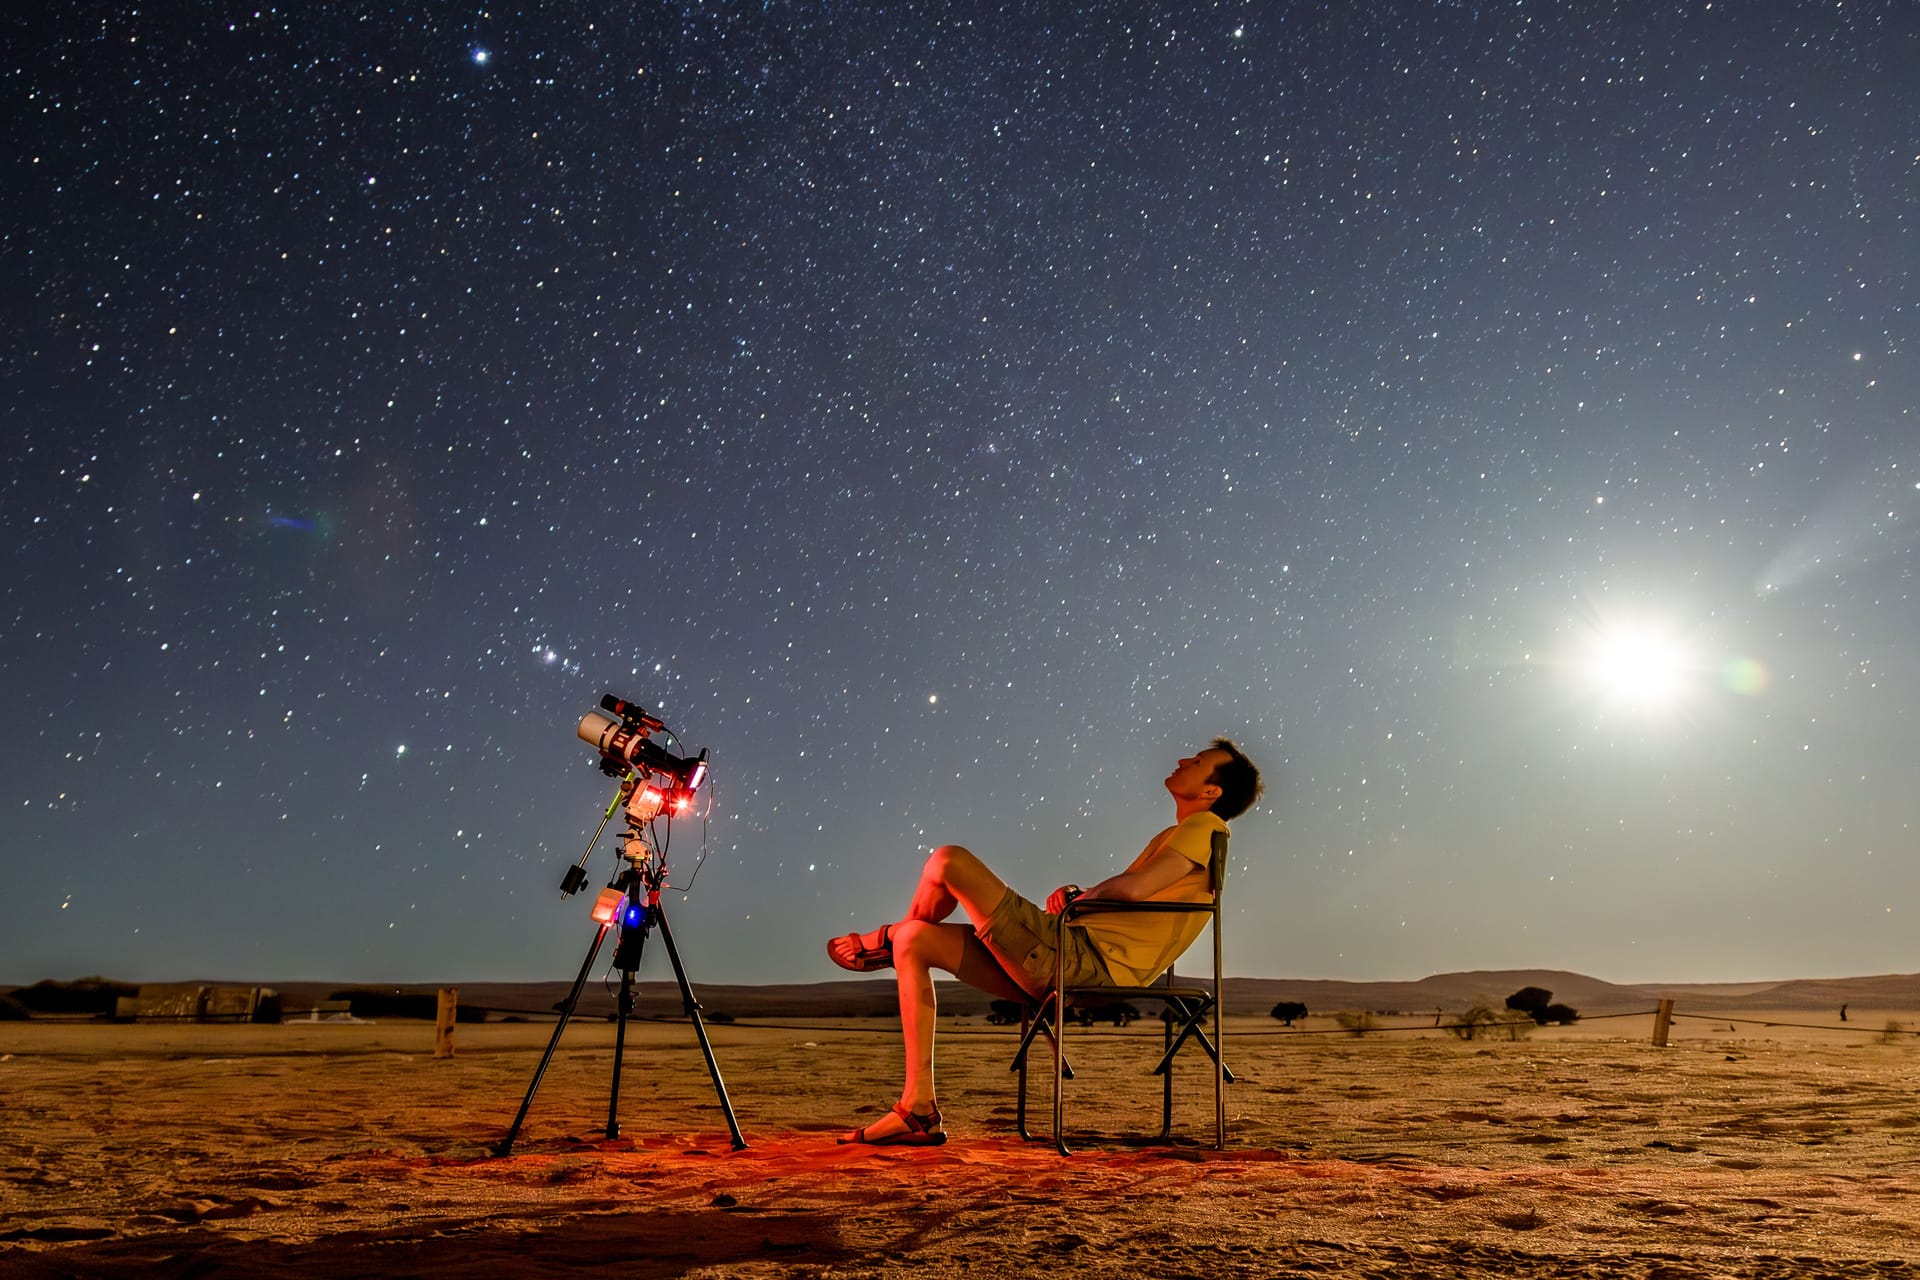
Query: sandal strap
x=917, y=1123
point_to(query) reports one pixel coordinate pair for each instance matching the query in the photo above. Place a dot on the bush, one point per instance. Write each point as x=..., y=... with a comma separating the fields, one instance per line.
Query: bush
x=1484, y=1022
x=84, y=995
x=1357, y=1021
x=1560, y=1014
x=1288, y=1011
x=1002, y=1012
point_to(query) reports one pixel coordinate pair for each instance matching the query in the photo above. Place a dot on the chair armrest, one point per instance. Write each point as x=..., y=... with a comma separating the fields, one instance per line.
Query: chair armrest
x=1095, y=906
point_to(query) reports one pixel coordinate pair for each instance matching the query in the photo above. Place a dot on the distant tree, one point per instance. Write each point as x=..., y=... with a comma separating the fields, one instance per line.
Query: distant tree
x=1530, y=1001
x=1287, y=1011
x=1537, y=1003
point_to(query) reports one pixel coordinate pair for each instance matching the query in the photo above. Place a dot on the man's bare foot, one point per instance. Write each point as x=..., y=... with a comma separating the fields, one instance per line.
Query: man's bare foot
x=863, y=952
x=901, y=1127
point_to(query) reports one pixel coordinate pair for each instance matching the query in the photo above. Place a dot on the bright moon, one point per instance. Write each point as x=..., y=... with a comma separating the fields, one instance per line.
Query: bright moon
x=1638, y=666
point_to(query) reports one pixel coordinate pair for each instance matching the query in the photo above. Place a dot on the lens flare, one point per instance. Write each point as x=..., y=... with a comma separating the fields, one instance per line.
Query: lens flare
x=1747, y=677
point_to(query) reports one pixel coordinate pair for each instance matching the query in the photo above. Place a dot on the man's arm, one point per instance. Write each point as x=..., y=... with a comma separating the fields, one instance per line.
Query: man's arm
x=1165, y=870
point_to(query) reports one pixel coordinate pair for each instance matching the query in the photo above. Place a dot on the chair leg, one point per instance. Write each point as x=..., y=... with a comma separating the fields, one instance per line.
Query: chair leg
x=1033, y=1022
x=1220, y=1073
x=1040, y=1020
x=1219, y=1106
x=1027, y=1031
x=1166, y=1075
x=1059, y=1070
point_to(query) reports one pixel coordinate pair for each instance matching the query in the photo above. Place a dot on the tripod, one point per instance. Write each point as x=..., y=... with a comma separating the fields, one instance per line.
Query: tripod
x=631, y=901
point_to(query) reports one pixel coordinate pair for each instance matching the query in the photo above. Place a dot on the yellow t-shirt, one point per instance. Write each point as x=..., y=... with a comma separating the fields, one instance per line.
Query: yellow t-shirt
x=1139, y=947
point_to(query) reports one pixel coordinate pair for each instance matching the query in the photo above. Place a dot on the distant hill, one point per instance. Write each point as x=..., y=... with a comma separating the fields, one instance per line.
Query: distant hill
x=1898, y=991
x=874, y=997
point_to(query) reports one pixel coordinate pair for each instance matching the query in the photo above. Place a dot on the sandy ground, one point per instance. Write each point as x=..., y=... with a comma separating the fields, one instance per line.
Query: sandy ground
x=331, y=1149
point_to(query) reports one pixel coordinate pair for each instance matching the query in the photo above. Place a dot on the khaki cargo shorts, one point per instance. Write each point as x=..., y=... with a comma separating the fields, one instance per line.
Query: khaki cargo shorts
x=1021, y=933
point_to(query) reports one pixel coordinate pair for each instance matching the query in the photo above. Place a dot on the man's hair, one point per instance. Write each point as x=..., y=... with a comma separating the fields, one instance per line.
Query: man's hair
x=1238, y=779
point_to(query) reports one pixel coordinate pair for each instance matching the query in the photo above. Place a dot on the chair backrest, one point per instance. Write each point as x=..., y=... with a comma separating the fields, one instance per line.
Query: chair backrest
x=1217, y=865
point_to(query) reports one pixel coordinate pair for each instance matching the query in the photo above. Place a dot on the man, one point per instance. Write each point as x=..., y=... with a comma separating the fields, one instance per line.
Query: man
x=1008, y=950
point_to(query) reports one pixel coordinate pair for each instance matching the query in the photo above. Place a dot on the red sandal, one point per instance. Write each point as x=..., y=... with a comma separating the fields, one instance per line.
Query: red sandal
x=922, y=1131
x=860, y=958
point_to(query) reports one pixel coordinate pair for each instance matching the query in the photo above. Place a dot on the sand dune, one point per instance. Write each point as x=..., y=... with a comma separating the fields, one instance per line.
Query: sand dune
x=331, y=1149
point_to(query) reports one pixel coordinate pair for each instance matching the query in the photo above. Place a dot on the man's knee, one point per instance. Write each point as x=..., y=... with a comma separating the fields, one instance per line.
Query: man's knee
x=911, y=938
x=942, y=861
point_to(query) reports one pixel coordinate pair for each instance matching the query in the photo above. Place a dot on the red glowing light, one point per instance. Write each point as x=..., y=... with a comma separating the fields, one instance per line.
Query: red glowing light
x=645, y=803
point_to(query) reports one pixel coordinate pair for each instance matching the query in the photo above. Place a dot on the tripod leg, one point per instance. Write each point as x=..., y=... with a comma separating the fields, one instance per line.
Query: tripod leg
x=620, y=1044
x=505, y=1145
x=692, y=1007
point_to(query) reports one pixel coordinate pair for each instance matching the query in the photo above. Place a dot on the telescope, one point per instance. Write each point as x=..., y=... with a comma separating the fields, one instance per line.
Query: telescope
x=625, y=742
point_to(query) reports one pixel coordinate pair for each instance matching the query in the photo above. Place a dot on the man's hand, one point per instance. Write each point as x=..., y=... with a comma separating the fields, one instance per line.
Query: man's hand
x=1057, y=900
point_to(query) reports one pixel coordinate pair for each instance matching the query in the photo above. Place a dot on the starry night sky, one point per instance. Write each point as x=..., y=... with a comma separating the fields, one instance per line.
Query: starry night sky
x=1500, y=418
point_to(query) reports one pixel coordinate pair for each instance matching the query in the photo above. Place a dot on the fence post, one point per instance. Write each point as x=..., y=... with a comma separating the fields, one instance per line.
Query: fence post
x=443, y=1022
x=1662, y=1023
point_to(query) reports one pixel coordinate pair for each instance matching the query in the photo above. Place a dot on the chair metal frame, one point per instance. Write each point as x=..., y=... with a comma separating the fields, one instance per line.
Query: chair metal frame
x=1188, y=1004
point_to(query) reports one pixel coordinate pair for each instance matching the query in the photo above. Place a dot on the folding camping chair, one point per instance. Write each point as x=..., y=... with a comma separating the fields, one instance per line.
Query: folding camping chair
x=1187, y=1004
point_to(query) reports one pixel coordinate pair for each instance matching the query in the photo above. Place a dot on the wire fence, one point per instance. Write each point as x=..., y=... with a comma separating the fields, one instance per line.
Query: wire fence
x=1855, y=1028
x=1475, y=1030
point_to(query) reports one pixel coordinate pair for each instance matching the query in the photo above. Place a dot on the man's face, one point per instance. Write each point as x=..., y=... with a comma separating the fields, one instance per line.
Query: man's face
x=1194, y=773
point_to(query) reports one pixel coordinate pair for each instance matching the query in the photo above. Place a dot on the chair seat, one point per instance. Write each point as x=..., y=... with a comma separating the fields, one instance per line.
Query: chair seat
x=1089, y=995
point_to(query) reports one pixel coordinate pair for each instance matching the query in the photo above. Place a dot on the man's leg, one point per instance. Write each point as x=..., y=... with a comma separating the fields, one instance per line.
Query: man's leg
x=922, y=943
x=952, y=877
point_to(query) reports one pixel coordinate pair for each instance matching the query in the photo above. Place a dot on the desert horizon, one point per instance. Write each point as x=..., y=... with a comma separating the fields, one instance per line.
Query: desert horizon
x=1240, y=995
